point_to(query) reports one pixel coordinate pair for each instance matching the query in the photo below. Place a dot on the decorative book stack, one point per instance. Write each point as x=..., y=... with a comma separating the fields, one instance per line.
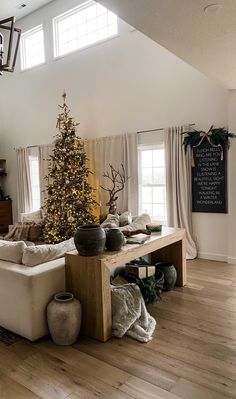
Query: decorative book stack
x=140, y=271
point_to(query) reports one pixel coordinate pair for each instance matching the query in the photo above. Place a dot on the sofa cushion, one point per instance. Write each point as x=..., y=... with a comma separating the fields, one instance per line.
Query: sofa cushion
x=37, y=254
x=110, y=221
x=32, y=216
x=139, y=222
x=125, y=218
x=12, y=251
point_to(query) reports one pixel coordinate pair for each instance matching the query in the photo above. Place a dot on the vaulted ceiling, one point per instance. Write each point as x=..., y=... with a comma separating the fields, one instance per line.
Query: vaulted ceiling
x=204, y=39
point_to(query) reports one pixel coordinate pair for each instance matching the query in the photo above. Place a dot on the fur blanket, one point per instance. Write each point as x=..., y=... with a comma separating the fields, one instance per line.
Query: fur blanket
x=129, y=314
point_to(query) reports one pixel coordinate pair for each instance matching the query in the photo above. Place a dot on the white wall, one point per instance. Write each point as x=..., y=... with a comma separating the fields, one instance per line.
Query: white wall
x=125, y=84
x=232, y=184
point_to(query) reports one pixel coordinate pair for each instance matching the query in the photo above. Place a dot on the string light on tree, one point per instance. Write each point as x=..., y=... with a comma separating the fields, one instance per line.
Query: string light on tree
x=70, y=200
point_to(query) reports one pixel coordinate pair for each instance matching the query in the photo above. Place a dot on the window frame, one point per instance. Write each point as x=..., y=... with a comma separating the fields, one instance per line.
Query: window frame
x=34, y=157
x=28, y=33
x=148, y=147
x=68, y=13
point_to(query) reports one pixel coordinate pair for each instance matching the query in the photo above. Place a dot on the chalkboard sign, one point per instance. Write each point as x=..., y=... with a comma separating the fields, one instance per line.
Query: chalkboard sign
x=209, y=179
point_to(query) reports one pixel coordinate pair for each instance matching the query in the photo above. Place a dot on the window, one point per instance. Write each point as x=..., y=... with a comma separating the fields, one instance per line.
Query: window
x=34, y=176
x=82, y=26
x=32, y=48
x=152, y=183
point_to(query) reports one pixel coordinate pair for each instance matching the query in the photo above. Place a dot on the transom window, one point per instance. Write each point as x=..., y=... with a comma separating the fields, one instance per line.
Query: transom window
x=32, y=48
x=82, y=26
x=152, y=182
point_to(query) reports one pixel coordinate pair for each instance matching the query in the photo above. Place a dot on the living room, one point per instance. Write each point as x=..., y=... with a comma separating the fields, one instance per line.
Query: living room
x=127, y=84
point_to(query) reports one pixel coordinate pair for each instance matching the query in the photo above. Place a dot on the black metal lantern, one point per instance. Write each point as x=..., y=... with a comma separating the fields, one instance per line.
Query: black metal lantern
x=11, y=42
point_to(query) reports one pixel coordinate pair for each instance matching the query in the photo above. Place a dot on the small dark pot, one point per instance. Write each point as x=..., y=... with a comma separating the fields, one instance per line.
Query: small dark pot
x=90, y=239
x=114, y=239
x=170, y=274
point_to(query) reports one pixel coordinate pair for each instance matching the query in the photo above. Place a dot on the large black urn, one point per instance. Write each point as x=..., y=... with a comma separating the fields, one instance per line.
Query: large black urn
x=170, y=274
x=90, y=239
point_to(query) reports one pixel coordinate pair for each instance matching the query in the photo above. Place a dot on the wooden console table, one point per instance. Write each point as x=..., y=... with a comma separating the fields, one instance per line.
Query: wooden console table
x=88, y=278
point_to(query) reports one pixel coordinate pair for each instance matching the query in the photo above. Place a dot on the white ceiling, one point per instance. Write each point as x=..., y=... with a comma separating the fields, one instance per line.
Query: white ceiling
x=9, y=8
x=205, y=40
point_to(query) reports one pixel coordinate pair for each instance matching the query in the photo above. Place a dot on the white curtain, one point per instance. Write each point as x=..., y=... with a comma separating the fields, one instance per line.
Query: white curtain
x=44, y=155
x=24, y=189
x=178, y=185
x=115, y=150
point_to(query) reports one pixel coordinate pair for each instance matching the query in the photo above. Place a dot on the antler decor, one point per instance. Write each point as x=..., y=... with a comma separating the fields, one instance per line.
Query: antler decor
x=118, y=179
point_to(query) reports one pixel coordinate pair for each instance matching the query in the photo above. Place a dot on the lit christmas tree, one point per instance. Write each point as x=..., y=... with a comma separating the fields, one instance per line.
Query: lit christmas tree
x=70, y=199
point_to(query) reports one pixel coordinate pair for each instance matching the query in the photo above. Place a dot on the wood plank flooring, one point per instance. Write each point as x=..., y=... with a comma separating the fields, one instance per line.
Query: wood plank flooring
x=192, y=355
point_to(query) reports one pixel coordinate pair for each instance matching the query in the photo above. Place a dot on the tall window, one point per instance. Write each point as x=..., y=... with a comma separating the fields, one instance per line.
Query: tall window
x=82, y=26
x=32, y=48
x=152, y=183
x=34, y=176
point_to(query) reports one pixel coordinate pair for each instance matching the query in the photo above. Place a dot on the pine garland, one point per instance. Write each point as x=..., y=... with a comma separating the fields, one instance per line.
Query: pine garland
x=216, y=136
x=70, y=199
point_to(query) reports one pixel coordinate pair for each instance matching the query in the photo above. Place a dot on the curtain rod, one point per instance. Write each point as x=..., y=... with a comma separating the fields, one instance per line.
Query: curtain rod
x=160, y=128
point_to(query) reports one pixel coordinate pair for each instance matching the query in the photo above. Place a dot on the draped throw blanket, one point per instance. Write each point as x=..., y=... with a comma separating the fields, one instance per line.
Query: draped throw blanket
x=178, y=185
x=129, y=314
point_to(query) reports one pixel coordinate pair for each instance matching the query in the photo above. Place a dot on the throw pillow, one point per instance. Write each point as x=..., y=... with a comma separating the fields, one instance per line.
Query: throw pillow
x=125, y=218
x=139, y=222
x=35, y=232
x=38, y=254
x=32, y=216
x=110, y=221
x=12, y=251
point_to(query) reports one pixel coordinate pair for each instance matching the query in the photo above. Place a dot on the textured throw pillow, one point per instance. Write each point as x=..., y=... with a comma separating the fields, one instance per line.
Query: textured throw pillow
x=38, y=254
x=32, y=216
x=125, y=218
x=35, y=232
x=12, y=251
x=139, y=222
x=111, y=221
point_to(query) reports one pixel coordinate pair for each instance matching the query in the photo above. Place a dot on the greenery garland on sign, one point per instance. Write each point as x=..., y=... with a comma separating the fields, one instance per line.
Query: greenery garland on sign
x=219, y=137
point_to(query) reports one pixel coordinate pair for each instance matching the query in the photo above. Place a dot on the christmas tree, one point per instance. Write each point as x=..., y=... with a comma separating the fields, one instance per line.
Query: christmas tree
x=70, y=198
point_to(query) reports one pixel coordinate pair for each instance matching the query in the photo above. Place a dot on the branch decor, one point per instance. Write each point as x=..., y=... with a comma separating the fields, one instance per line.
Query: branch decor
x=217, y=137
x=118, y=178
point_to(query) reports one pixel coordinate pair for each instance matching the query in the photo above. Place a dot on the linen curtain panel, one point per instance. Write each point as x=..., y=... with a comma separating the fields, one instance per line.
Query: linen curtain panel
x=178, y=185
x=24, y=189
x=114, y=150
x=44, y=155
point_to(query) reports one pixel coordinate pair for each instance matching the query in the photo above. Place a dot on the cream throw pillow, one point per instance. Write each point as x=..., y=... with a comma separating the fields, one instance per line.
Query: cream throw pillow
x=111, y=221
x=38, y=254
x=36, y=216
x=12, y=251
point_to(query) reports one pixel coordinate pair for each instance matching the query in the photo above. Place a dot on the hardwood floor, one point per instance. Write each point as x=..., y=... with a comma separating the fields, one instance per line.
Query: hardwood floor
x=192, y=355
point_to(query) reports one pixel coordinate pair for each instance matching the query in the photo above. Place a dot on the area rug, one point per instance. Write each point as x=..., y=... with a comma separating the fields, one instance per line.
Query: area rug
x=8, y=337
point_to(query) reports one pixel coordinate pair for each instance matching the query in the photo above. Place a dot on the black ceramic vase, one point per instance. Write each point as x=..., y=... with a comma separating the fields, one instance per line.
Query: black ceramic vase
x=114, y=239
x=90, y=239
x=170, y=274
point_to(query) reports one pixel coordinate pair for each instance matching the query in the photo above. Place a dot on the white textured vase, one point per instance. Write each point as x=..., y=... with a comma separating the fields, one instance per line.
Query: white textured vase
x=64, y=318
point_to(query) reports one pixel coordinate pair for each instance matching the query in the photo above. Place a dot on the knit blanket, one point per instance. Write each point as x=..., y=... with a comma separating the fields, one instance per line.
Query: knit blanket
x=19, y=232
x=129, y=314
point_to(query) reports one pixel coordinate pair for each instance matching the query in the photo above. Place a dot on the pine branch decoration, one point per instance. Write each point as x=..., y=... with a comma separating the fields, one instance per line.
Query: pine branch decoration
x=216, y=136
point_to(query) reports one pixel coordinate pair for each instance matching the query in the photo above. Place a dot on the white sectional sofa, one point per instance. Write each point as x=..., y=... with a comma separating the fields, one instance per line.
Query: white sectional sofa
x=24, y=295
x=29, y=278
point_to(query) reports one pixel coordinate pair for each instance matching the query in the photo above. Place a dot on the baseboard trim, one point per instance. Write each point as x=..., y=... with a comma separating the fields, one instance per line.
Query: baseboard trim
x=217, y=257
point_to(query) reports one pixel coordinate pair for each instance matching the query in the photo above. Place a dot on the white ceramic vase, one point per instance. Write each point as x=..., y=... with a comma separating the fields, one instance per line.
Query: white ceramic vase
x=64, y=318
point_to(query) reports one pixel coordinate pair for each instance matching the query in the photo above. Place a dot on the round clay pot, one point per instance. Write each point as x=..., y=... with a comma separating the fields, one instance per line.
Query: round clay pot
x=64, y=318
x=90, y=239
x=114, y=239
x=170, y=274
